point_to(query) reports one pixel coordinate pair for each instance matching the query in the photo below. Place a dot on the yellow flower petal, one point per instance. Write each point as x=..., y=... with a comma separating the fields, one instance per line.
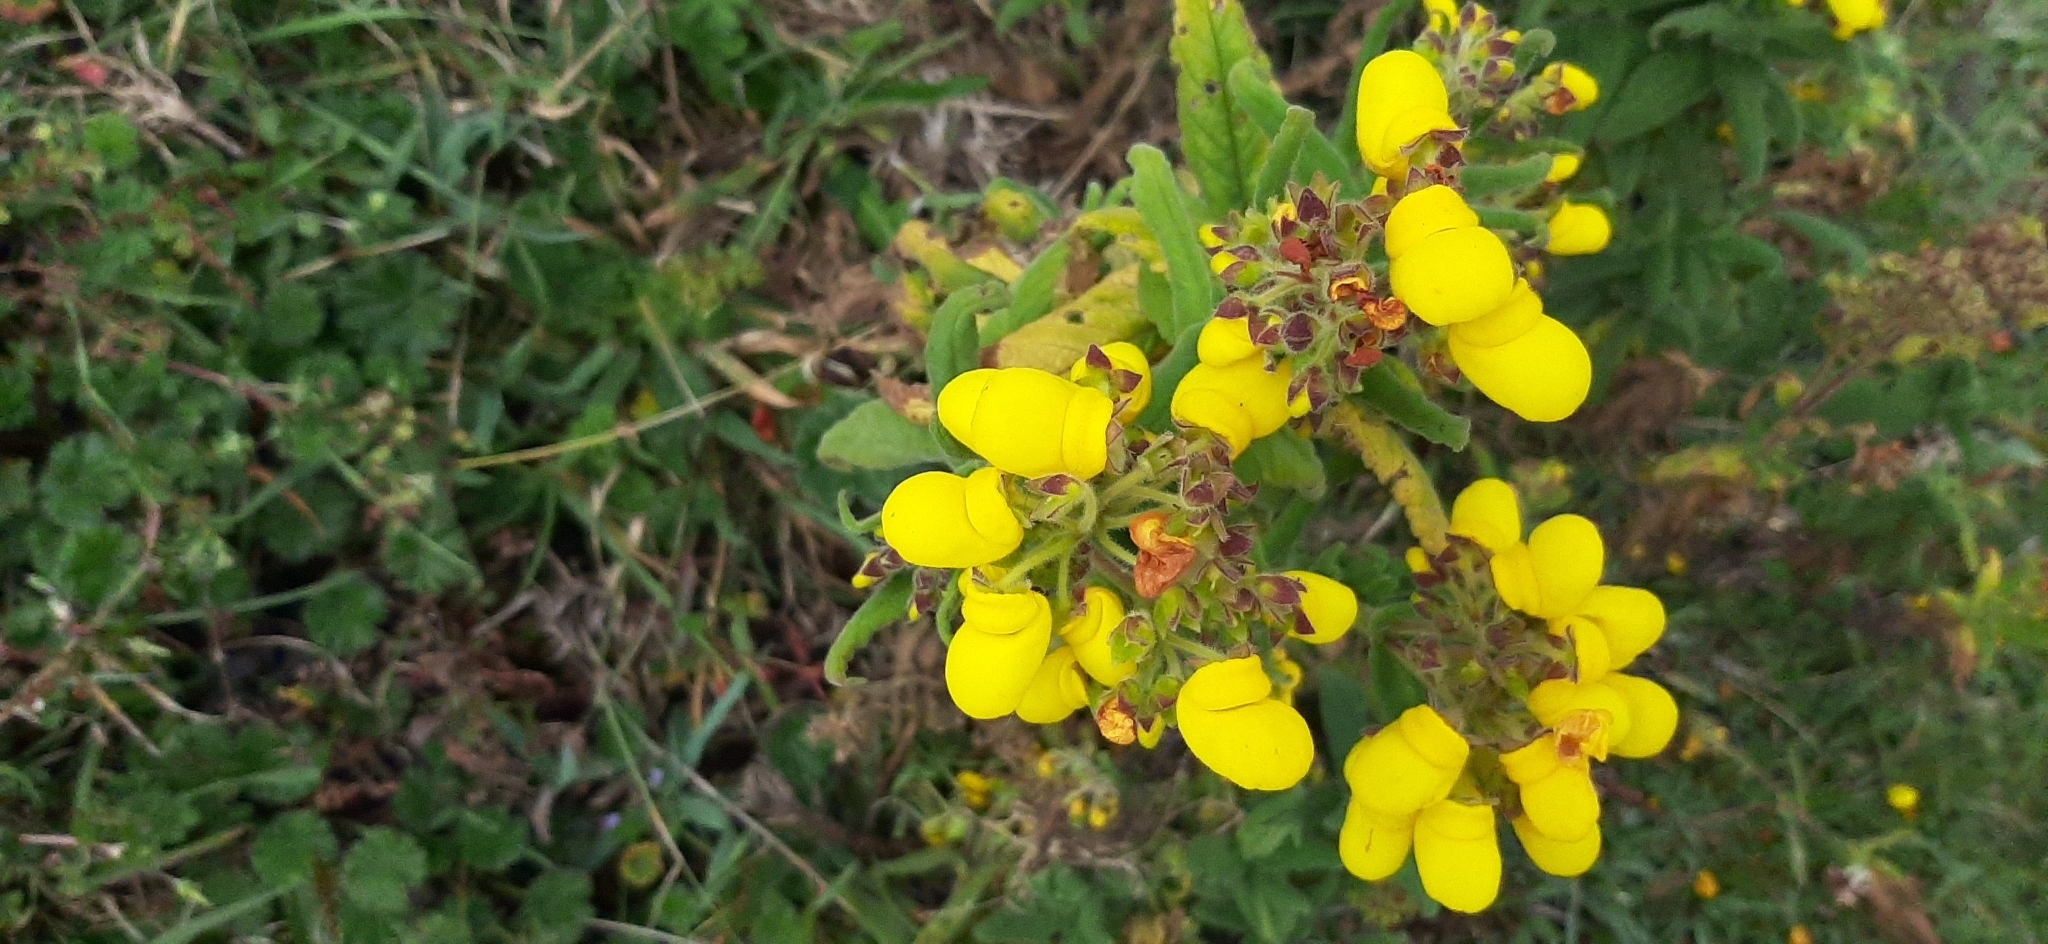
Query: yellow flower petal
x=1088, y=631
x=1589, y=644
x=1578, y=229
x=1055, y=691
x=1556, y=857
x=1557, y=795
x=997, y=651
x=1856, y=16
x=1390, y=87
x=1653, y=716
x=1225, y=341
x=1124, y=356
x=1631, y=618
x=1373, y=846
x=938, y=519
x=1488, y=512
x=1028, y=422
x=1454, y=275
x=1407, y=765
x=1240, y=402
x=1563, y=167
x=1584, y=88
x=1568, y=556
x=1423, y=214
x=1542, y=376
x=1594, y=711
x=1234, y=727
x=1331, y=607
x=1457, y=849
x=1443, y=14
x=1514, y=577
x=1514, y=319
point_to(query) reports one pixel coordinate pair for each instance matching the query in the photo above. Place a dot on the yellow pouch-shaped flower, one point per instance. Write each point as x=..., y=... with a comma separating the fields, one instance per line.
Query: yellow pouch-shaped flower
x=1225, y=341
x=1240, y=402
x=998, y=649
x=1408, y=765
x=1578, y=229
x=1088, y=632
x=1028, y=422
x=1592, y=713
x=1233, y=725
x=1555, y=856
x=1423, y=214
x=1542, y=376
x=938, y=519
x=1652, y=712
x=1454, y=275
x=1557, y=795
x=1123, y=355
x=1563, y=167
x=1568, y=555
x=1515, y=317
x=1632, y=619
x=1055, y=691
x=1372, y=845
x=1458, y=852
x=1584, y=88
x=1856, y=16
x=1489, y=513
x=1329, y=607
x=1401, y=97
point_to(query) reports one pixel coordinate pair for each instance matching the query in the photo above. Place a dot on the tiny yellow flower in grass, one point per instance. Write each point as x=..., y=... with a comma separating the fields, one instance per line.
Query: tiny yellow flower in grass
x=1123, y=355
x=1903, y=797
x=1328, y=608
x=1099, y=817
x=1555, y=856
x=1372, y=844
x=1401, y=98
x=1706, y=885
x=1799, y=935
x=1028, y=422
x=1457, y=850
x=1856, y=16
x=1408, y=765
x=1557, y=792
x=1563, y=167
x=1235, y=727
x=1088, y=631
x=1445, y=267
x=1578, y=229
x=938, y=519
x=1584, y=88
x=1240, y=403
x=996, y=653
x=1056, y=691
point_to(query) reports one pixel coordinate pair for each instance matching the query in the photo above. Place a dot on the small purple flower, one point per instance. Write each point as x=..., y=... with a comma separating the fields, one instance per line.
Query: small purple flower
x=656, y=776
x=610, y=822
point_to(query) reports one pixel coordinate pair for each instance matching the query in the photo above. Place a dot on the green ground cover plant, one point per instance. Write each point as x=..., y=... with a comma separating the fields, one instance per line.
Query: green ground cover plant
x=435, y=441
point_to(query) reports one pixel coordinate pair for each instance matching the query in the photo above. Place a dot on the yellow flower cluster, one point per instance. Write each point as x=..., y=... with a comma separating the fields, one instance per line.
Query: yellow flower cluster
x=1449, y=270
x=1232, y=392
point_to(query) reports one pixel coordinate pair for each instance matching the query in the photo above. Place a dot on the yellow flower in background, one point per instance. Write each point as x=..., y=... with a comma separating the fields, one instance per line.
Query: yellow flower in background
x=1240, y=402
x=998, y=649
x=1234, y=726
x=1401, y=98
x=1123, y=355
x=1055, y=691
x=1557, y=791
x=1088, y=632
x=1372, y=844
x=1028, y=422
x=938, y=519
x=1445, y=267
x=1584, y=88
x=1578, y=229
x=1856, y=16
x=1555, y=856
x=1327, y=606
x=1457, y=850
x=1563, y=167
x=1706, y=885
x=1903, y=797
x=1408, y=765
x=1523, y=359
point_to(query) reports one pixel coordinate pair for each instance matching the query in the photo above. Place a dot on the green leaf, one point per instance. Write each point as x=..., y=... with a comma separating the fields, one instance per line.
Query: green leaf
x=1377, y=39
x=884, y=606
x=1829, y=236
x=1345, y=706
x=287, y=847
x=555, y=908
x=221, y=917
x=1666, y=83
x=1164, y=208
x=1283, y=460
x=954, y=347
x=1520, y=221
x=1400, y=401
x=1278, y=166
x=1166, y=376
x=1261, y=101
x=292, y=315
x=1486, y=180
x=874, y=436
x=1746, y=84
x=1394, y=689
x=112, y=139
x=1210, y=37
x=1032, y=295
x=381, y=869
x=489, y=838
x=344, y=618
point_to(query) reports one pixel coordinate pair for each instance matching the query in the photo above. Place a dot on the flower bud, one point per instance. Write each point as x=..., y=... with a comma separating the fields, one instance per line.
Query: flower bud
x=1632, y=619
x=1225, y=341
x=1401, y=98
x=1653, y=715
x=1233, y=725
x=1557, y=795
x=1567, y=556
x=1563, y=167
x=1584, y=88
x=998, y=649
x=1123, y=355
x=938, y=519
x=1578, y=229
x=1055, y=691
x=1028, y=422
x=1555, y=856
x=1488, y=513
x=1240, y=402
x=1374, y=845
x=1408, y=765
x=1457, y=850
x=1328, y=607
x=1856, y=16
x=1088, y=633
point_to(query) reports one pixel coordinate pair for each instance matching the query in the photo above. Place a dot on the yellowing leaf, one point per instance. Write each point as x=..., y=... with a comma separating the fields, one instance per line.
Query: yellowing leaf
x=1717, y=462
x=994, y=262
x=1128, y=227
x=1107, y=312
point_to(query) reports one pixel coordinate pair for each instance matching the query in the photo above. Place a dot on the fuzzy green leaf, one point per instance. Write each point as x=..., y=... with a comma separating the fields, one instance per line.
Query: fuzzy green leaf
x=884, y=606
x=1165, y=211
x=874, y=436
x=1410, y=408
x=1210, y=37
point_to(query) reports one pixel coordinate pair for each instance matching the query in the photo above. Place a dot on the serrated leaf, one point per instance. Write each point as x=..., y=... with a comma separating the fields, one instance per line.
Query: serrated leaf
x=889, y=602
x=489, y=839
x=1210, y=37
x=343, y=618
x=381, y=869
x=874, y=436
x=555, y=908
x=1107, y=312
x=1661, y=86
x=1164, y=208
x=288, y=846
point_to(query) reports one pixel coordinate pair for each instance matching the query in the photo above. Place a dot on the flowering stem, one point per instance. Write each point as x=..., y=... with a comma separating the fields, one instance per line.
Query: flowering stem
x=1397, y=467
x=1019, y=573
x=1193, y=648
